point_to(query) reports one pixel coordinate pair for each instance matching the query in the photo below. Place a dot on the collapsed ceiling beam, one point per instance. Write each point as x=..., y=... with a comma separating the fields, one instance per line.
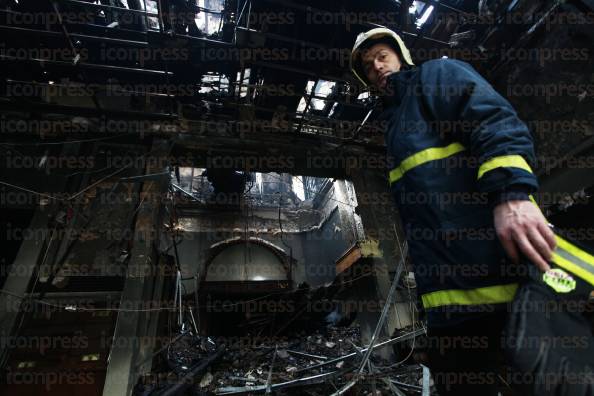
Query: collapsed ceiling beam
x=85, y=4
x=44, y=63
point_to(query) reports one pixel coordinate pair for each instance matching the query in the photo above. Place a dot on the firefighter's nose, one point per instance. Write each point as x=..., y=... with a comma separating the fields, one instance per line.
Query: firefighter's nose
x=378, y=66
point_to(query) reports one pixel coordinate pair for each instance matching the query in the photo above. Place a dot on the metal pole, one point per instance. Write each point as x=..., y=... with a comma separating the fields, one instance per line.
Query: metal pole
x=238, y=22
x=248, y=16
x=180, y=317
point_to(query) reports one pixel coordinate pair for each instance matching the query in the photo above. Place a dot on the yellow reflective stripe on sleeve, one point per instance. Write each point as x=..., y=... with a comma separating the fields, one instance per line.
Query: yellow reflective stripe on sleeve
x=574, y=260
x=573, y=268
x=571, y=258
x=484, y=295
x=422, y=157
x=505, y=161
x=576, y=251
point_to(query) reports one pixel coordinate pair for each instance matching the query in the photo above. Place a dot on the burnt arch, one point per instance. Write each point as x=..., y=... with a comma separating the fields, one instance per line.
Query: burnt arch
x=227, y=271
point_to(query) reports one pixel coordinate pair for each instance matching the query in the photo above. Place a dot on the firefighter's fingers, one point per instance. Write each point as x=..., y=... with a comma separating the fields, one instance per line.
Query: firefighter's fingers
x=548, y=234
x=539, y=243
x=508, y=245
x=526, y=248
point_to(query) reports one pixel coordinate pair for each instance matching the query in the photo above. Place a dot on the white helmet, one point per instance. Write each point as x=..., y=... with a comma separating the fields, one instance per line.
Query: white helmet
x=374, y=34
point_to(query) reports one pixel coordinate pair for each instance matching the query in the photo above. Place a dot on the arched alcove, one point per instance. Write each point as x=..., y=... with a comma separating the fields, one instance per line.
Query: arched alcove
x=240, y=263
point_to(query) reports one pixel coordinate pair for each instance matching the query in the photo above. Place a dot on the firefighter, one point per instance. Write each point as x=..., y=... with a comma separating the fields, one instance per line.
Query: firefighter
x=462, y=179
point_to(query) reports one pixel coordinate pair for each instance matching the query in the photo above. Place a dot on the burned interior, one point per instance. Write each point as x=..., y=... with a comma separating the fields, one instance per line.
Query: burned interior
x=194, y=193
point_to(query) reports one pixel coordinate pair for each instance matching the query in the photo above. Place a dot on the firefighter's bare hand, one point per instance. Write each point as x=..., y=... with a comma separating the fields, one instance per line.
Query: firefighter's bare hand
x=522, y=228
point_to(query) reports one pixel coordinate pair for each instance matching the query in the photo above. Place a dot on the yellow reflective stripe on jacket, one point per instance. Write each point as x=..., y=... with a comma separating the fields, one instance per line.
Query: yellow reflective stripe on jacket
x=573, y=259
x=504, y=161
x=483, y=295
x=422, y=157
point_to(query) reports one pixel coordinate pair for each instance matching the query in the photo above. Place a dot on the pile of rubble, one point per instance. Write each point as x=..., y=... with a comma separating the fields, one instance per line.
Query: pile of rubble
x=318, y=363
x=250, y=365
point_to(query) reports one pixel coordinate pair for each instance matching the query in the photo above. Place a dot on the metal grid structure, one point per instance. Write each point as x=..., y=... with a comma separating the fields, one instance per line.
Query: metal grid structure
x=211, y=60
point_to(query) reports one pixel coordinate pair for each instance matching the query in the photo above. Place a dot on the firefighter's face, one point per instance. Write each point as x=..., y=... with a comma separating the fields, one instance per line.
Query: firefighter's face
x=379, y=62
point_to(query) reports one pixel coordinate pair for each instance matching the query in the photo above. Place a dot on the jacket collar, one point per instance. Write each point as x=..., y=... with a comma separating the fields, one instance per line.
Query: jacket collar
x=399, y=85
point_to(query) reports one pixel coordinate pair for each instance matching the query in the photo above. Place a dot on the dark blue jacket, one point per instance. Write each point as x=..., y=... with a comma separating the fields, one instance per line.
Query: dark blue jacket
x=457, y=148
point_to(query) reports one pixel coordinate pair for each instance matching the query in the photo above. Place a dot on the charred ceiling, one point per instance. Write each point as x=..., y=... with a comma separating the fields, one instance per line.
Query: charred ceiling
x=249, y=72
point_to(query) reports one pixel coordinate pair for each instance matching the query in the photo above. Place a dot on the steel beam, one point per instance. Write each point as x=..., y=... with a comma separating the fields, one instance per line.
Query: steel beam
x=16, y=285
x=122, y=371
x=386, y=260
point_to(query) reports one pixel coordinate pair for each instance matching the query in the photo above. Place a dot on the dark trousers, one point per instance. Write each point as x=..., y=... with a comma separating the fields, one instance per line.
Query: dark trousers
x=466, y=359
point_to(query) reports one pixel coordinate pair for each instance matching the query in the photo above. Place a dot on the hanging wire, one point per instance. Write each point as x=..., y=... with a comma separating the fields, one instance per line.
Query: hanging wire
x=74, y=308
x=280, y=224
x=67, y=141
x=315, y=192
x=72, y=197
